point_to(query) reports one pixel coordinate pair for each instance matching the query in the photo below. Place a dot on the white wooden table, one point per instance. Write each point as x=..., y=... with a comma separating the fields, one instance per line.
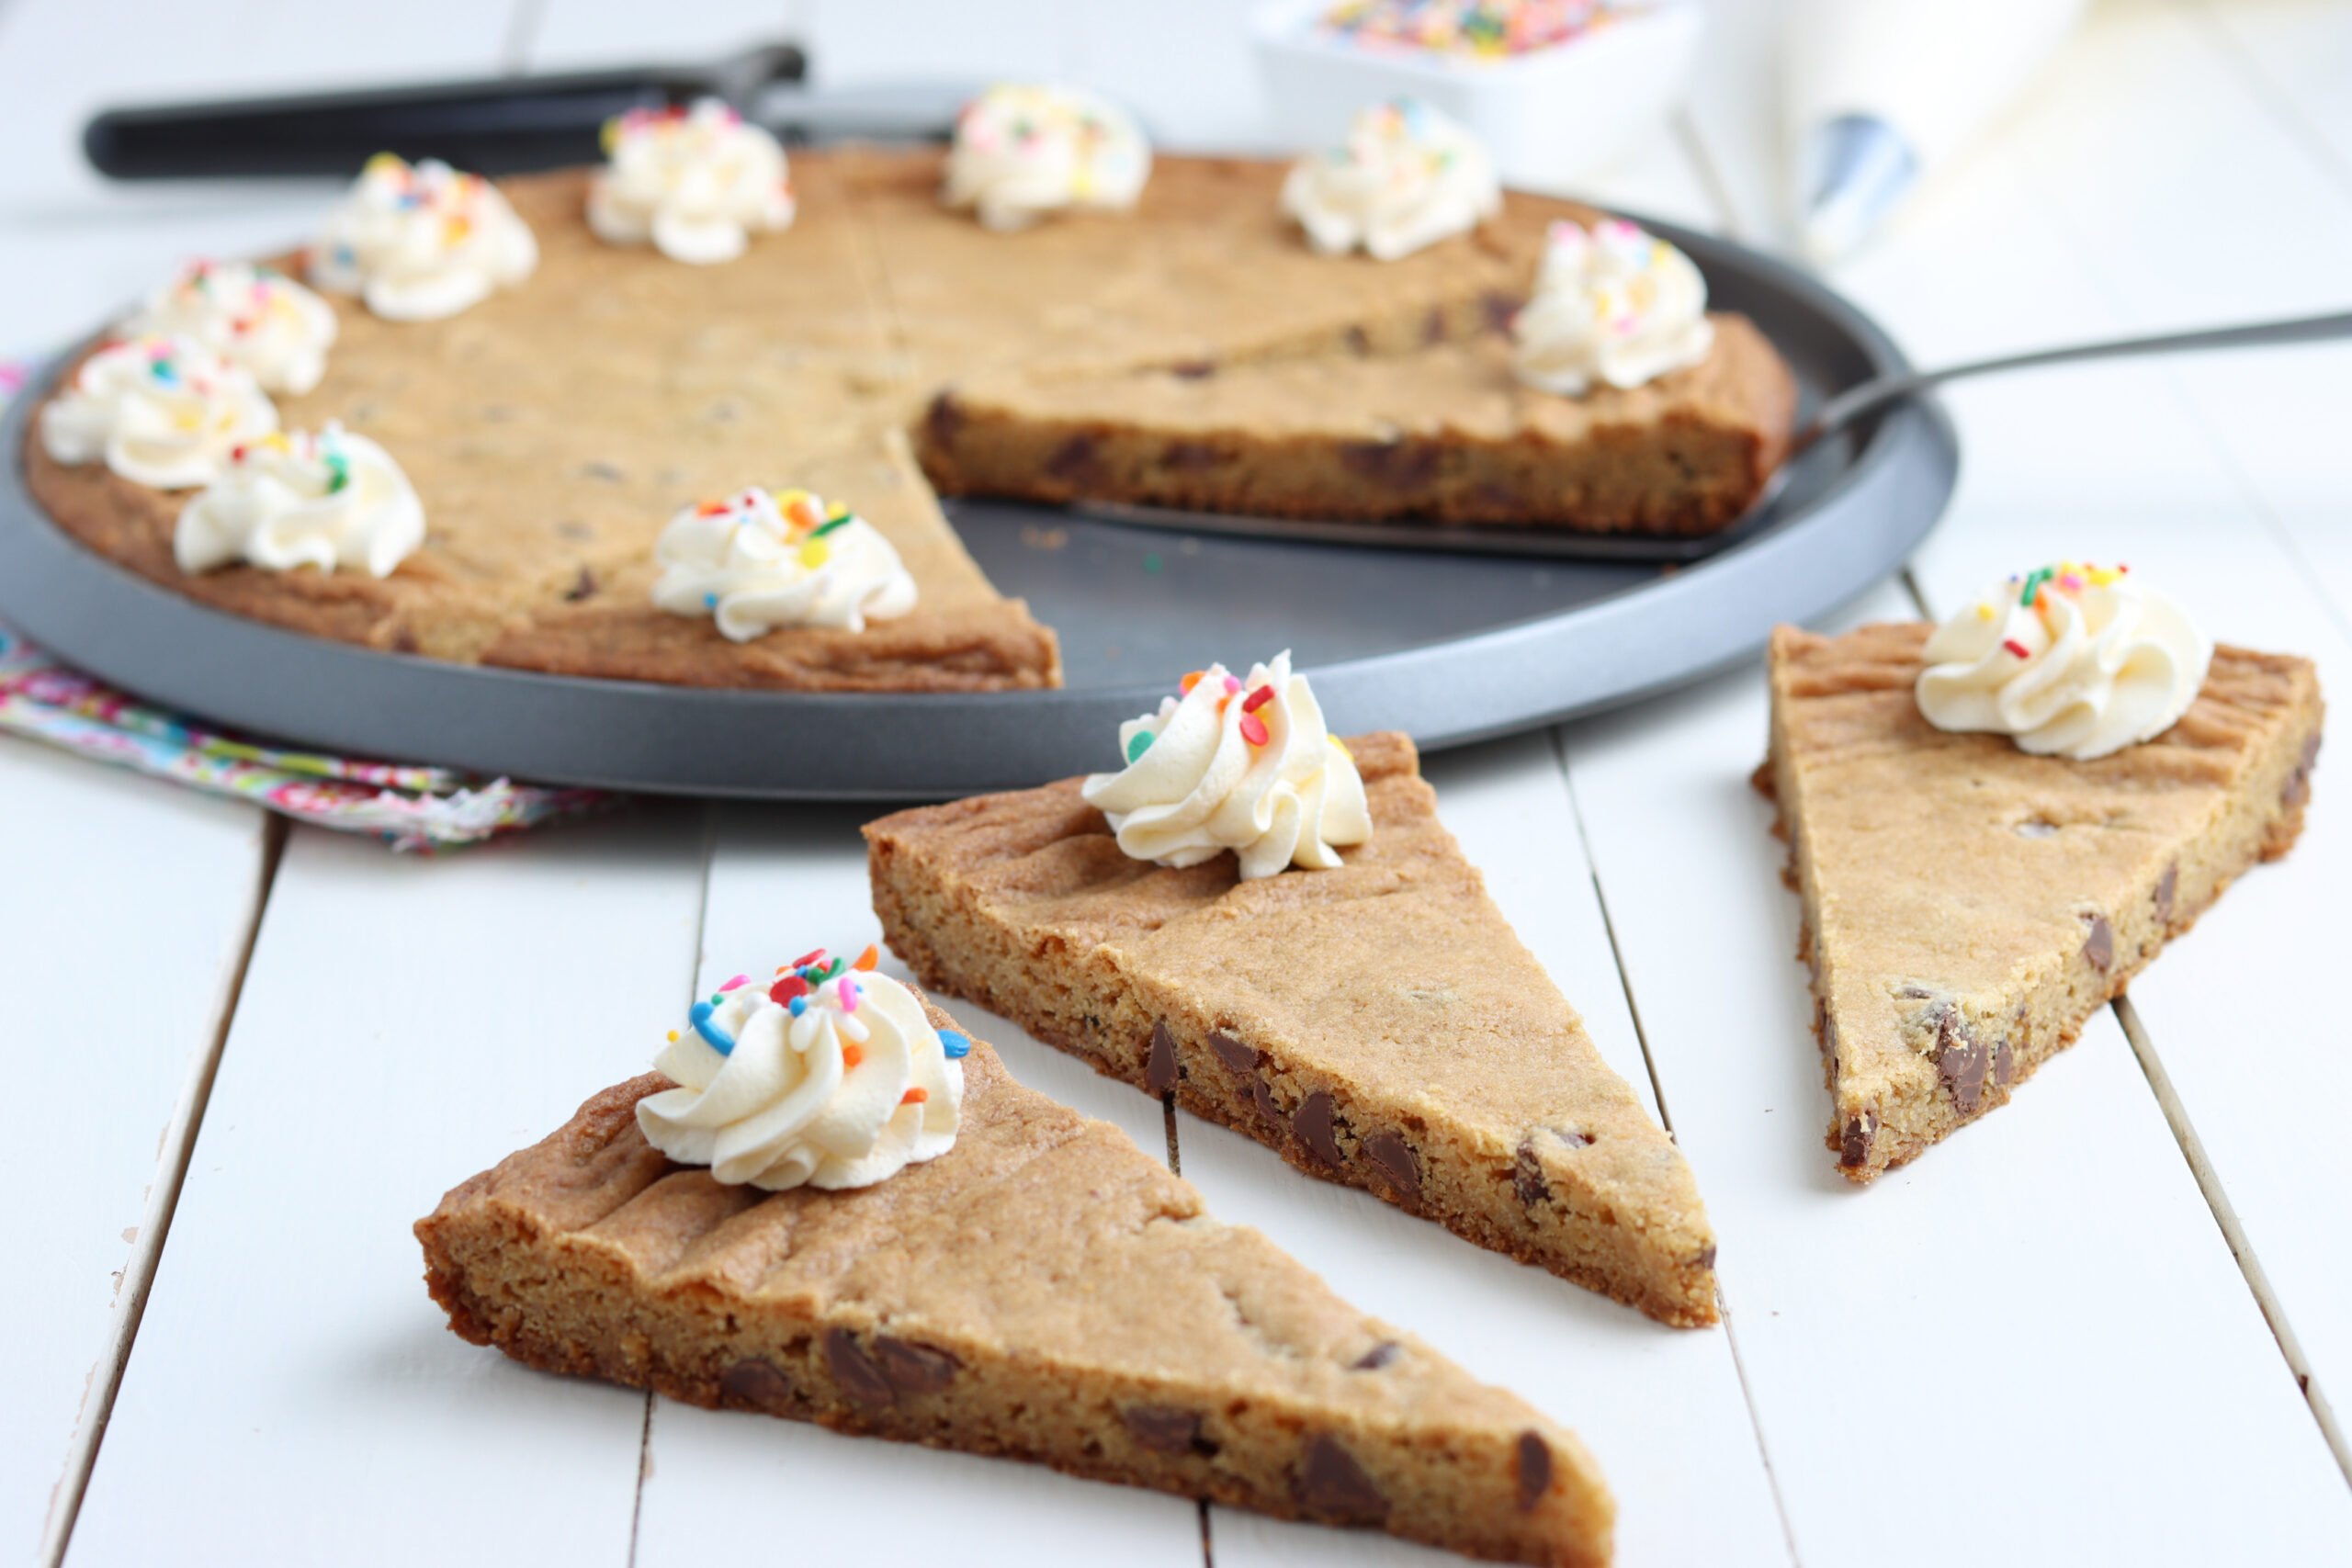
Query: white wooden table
x=2102, y=1326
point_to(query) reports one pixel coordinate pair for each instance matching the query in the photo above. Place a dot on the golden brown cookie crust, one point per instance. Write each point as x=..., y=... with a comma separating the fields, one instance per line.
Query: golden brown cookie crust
x=1969, y=906
x=1378, y=1025
x=1043, y=1290
x=554, y=429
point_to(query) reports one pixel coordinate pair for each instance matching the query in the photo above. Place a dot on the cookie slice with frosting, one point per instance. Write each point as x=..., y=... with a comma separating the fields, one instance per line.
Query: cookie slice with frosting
x=831, y=1205
x=1274, y=928
x=1995, y=823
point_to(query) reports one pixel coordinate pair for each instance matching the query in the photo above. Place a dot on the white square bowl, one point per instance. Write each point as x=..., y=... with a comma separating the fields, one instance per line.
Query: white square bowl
x=1548, y=116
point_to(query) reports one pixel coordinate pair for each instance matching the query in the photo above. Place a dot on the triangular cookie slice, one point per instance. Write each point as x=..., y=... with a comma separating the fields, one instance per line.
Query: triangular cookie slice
x=1042, y=1291
x=1967, y=905
x=1378, y=1024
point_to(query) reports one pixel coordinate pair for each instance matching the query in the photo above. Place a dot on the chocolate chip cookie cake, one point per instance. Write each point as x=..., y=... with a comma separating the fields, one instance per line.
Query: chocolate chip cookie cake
x=1994, y=824
x=831, y=1205
x=493, y=422
x=1274, y=929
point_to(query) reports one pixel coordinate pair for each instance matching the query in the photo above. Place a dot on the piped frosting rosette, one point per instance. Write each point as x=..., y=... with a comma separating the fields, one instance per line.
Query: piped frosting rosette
x=697, y=183
x=830, y=1076
x=1245, y=765
x=1023, y=152
x=1613, y=304
x=165, y=411
x=754, y=562
x=331, y=501
x=255, y=317
x=1407, y=177
x=419, y=243
x=2070, y=660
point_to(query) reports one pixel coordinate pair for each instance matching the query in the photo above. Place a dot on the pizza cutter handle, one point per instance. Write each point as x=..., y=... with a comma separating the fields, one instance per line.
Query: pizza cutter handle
x=493, y=125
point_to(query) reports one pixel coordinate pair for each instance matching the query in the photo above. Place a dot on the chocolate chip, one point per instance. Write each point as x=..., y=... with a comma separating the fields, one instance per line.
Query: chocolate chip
x=860, y=1381
x=2098, y=948
x=2298, y=782
x=1160, y=1065
x=1527, y=1175
x=944, y=421
x=2005, y=1063
x=1191, y=457
x=1077, y=461
x=582, y=587
x=1358, y=341
x=1854, y=1144
x=1397, y=1161
x=1232, y=1053
x=1313, y=1127
x=1499, y=309
x=404, y=641
x=2299, y=788
x=1535, y=1469
x=1396, y=465
x=757, y=1385
x=1263, y=1093
x=1706, y=1258
x=1193, y=370
x=1961, y=1061
x=2168, y=890
x=914, y=1369
x=1434, y=329
x=1379, y=1355
x=1575, y=1137
x=1165, y=1430
x=1332, y=1485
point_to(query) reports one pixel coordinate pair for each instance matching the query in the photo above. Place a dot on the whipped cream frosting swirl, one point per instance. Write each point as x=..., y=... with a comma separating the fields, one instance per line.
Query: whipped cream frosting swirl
x=696, y=183
x=255, y=316
x=165, y=411
x=755, y=562
x=420, y=243
x=1235, y=764
x=2070, y=660
x=1407, y=177
x=830, y=1077
x=1023, y=152
x=1613, y=304
x=333, y=501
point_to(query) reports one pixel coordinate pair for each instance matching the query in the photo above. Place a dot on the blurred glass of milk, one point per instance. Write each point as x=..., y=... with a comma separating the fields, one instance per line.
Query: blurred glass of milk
x=1881, y=91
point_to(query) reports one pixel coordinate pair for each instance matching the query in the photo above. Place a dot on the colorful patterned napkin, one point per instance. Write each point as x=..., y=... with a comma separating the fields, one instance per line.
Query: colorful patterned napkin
x=408, y=807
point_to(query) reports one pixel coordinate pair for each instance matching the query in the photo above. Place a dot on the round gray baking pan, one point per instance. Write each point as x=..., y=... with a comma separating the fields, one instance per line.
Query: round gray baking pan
x=1451, y=647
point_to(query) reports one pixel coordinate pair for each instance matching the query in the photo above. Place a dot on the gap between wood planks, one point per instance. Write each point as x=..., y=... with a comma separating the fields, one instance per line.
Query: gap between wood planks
x=178, y=1151
x=709, y=850
x=1665, y=1119
x=2274, y=1312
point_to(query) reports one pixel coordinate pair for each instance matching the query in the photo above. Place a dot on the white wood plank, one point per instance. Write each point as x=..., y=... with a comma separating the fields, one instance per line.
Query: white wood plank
x=294, y=1396
x=130, y=904
x=1661, y=1409
x=2035, y=1337
x=783, y=880
x=2297, y=56
x=2219, y=479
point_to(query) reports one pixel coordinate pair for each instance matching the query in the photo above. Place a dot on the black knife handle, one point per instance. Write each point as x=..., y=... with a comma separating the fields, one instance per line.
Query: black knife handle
x=495, y=125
